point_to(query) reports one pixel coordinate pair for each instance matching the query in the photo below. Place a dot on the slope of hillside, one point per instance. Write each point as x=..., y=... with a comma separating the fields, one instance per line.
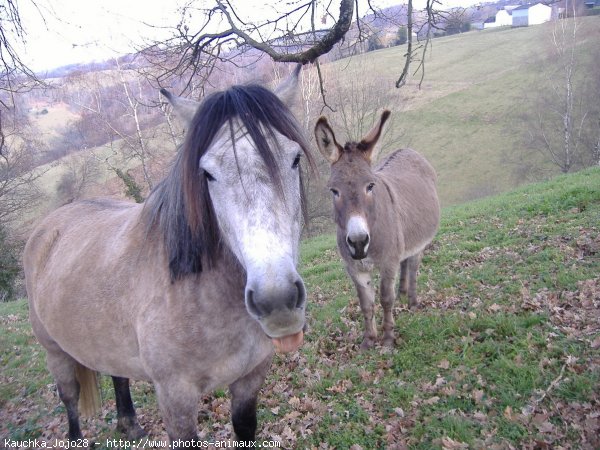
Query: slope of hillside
x=504, y=354
x=468, y=116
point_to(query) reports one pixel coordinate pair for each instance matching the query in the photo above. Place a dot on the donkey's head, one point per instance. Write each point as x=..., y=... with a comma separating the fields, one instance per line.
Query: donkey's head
x=353, y=183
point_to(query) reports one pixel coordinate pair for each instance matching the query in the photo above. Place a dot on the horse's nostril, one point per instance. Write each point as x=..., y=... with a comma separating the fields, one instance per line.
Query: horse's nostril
x=301, y=294
x=251, y=304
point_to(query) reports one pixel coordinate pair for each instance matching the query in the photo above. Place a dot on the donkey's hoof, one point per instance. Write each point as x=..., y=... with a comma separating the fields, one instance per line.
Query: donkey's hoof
x=389, y=341
x=367, y=344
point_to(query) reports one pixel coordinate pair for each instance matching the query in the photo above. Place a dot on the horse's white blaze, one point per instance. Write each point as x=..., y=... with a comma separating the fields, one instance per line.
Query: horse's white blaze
x=356, y=229
x=260, y=224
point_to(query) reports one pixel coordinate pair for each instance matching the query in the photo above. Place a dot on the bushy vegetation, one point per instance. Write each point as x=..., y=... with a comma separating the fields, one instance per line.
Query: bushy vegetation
x=9, y=266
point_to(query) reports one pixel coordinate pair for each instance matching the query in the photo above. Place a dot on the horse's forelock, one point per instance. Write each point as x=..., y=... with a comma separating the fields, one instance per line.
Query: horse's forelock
x=182, y=208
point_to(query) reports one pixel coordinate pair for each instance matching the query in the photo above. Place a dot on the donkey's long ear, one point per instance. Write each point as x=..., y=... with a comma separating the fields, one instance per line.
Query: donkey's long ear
x=326, y=142
x=288, y=89
x=184, y=107
x=369, y=142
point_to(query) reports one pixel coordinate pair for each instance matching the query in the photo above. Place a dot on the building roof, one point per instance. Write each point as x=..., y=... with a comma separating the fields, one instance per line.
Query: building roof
x=522, y=7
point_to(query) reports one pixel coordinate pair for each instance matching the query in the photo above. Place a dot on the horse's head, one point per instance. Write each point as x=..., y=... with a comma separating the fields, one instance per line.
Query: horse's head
x=353, y=183
x=249, y=166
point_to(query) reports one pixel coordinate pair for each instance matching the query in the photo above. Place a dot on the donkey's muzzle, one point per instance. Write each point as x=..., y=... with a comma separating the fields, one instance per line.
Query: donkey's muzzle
x=358, y=245
x=279, y=308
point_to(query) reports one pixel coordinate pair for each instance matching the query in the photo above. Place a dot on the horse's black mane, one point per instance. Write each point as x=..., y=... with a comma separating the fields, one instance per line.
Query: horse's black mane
x=180, y=207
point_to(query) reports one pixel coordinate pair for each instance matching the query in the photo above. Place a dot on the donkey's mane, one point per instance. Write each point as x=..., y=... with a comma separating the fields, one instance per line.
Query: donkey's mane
x=180, y=207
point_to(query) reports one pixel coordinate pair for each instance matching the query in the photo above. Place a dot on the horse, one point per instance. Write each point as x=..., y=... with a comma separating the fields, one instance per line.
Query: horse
x=385, y=215
x=192, y=290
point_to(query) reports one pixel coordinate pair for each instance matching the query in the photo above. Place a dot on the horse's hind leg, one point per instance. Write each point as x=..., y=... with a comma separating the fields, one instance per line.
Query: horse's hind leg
x=127, y=422
x=62, y=367
x=244, y=393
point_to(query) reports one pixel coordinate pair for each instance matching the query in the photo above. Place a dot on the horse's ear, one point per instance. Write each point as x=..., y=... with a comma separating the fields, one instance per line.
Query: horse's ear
x=326, y=142
x=369, y=142
x=184, y=107
x=288, y=89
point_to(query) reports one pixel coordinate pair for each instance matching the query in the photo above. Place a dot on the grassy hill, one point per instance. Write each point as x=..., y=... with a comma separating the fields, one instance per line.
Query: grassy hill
x=504, y=354
x=468, y=116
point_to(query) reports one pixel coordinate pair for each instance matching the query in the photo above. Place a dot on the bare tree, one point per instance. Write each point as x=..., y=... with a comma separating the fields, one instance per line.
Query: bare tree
x=296, y=34
x=564, y=113
x=15, y=75
x=81, y=173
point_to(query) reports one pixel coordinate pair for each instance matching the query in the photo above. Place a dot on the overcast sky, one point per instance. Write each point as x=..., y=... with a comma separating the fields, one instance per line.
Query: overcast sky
x=61, y=32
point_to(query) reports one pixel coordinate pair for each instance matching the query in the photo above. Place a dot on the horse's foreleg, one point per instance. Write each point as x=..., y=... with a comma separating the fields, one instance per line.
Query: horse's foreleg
x=127, y=422
x=366, y=298
x=244, y=393
x=413, y=268
x=388, y=296
x=178, y=403
x=62, y=367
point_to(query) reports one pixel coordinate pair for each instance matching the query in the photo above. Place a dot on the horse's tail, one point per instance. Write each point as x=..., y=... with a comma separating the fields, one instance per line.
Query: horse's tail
x=89, y=391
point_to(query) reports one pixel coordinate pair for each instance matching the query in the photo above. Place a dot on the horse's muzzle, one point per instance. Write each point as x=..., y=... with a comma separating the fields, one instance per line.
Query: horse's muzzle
x=279, y=308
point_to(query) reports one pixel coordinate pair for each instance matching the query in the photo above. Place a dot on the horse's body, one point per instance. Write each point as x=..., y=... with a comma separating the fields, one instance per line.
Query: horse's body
x=386, y=216
x=189, y=297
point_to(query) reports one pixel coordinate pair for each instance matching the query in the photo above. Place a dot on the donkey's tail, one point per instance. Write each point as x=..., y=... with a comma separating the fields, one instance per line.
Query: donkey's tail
x=89, y=391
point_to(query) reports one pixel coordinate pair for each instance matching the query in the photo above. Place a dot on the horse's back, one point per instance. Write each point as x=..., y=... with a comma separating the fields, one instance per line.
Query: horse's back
x=72, y=224
x=75, y=262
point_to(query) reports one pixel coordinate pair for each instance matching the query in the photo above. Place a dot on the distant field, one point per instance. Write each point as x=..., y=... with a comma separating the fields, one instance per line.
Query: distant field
x=505, y=353
x=465, y=119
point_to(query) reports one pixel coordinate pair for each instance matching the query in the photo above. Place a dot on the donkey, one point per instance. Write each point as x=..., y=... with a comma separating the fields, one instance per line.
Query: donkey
x=191, y=290
x=385, y=217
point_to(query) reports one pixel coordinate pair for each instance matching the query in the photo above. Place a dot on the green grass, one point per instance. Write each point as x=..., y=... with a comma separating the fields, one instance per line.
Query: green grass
x=504, y=353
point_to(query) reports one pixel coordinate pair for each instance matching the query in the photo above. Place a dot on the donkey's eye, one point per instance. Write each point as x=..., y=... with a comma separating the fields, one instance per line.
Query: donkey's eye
x=370, y=187
x=335, y=192
x=209, y=176
x=296, y=162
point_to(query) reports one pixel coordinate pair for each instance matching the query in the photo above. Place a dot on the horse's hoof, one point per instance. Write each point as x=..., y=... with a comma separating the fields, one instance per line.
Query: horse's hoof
x=130, y=428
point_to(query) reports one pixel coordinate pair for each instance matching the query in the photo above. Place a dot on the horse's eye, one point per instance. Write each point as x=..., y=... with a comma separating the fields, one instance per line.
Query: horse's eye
x=370, y=187
x=209, y=176
x=296, y=162
x=335, y=192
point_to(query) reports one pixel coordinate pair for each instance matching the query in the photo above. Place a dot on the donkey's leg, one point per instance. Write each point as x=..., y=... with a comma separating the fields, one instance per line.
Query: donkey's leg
x=403, y=285
x=413, y=267
x=178, y=403
x=388, y=296
x=244, y=393
x=366, y=298
x=62, y=367
x=127, y=422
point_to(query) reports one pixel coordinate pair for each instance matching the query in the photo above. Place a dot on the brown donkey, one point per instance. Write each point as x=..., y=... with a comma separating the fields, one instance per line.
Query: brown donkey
x=385, y=215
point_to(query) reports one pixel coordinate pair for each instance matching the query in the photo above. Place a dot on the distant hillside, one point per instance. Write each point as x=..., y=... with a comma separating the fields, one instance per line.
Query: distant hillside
x=467, y=117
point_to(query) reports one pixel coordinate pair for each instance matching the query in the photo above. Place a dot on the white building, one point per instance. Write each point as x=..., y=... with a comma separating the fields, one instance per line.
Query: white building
x=503, y=18
x=526, y=15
